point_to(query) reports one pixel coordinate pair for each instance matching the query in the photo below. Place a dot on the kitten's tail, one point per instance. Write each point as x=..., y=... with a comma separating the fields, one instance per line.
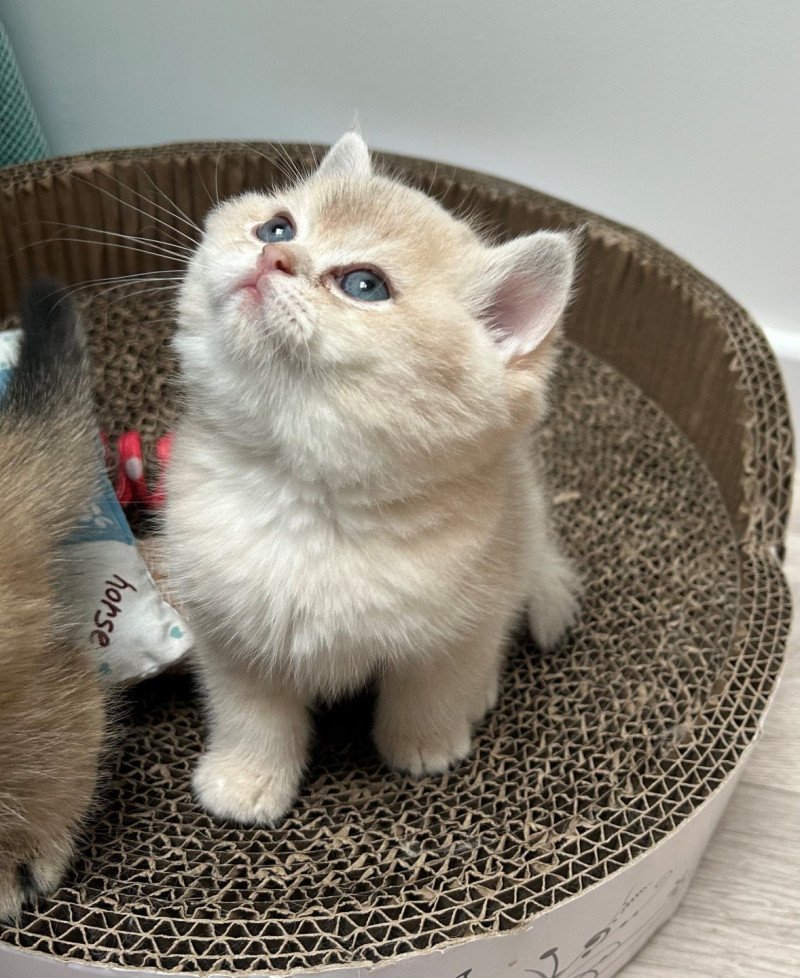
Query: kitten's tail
x=46, y=419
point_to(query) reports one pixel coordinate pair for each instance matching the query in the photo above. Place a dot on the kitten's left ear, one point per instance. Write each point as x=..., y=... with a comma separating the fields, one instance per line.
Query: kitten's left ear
x=527, y=286
x=349, y=157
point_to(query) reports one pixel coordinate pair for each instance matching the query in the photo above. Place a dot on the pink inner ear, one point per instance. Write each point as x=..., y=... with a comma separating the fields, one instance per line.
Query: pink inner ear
x=517, y=315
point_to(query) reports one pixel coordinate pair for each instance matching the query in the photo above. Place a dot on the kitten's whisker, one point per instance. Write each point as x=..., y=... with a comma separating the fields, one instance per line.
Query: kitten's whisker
x=139, y=292
x=303, y=304
x=113, y=244
x=156, y=276
x=148, y=200
x=129, y=237
x=176, y=213
x=177, y=244
x=434, y=174
x=161, y=255
x=289, y=174
x=150, y=217
x=216, y=176
x=81, y=289
x=64, y=226
x=443, y=193
x=202, y=181
x=300, y=348
x=281, y=333
x=165, y=195
x=117, y=281
x=283, y=155
x=301, y=174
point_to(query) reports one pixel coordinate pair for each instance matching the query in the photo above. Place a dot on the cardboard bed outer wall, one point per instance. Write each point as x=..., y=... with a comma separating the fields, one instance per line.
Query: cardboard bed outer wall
x=727, y=398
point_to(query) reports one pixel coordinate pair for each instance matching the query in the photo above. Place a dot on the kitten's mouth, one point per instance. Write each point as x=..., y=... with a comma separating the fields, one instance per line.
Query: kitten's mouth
x=254, y=286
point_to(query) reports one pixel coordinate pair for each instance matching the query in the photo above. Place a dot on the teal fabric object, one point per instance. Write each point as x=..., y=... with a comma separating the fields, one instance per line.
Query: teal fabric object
x=115, y=606
x=21, y=136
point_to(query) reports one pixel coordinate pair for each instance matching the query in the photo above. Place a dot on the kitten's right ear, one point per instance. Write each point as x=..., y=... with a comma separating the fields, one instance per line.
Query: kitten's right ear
x=529, y=281
x=349, y=157
x=527, y=286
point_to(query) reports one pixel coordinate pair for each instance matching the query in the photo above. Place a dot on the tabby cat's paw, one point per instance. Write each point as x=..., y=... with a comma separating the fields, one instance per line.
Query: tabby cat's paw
x=22, y=882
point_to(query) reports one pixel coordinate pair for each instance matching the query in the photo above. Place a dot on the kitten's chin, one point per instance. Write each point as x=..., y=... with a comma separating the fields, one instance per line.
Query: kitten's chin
x=251, y=304
x=270, y=319
x=247, y=312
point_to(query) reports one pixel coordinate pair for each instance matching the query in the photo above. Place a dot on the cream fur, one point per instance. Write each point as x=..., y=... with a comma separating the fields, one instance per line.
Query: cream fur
x=353, y=496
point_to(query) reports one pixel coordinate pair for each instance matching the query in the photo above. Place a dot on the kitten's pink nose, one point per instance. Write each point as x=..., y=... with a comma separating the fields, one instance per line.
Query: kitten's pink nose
x=276, y=258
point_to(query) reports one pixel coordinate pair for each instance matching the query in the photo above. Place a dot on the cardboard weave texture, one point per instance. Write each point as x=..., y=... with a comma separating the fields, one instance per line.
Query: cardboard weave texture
x=669, y=453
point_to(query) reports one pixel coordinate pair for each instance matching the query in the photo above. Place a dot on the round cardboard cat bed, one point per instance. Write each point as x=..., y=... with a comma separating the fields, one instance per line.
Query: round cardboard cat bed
x=573, y=831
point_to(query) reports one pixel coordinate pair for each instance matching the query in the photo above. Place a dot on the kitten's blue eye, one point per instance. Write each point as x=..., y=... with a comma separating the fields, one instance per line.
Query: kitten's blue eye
x=276, y=230
x=365, y=285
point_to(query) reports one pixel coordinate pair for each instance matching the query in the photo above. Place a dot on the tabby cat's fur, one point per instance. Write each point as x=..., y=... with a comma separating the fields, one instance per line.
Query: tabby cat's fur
x=51, y=705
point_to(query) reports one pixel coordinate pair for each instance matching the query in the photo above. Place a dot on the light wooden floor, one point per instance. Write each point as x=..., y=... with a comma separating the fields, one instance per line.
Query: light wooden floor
x=741, y=916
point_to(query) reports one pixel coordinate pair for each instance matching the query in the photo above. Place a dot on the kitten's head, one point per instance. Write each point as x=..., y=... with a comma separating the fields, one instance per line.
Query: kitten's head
x=354, y=327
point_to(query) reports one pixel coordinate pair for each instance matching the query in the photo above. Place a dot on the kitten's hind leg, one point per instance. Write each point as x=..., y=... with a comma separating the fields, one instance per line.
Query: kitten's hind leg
x=258, y=743
x=554, y=588
x=553, y=602
x=426, y=708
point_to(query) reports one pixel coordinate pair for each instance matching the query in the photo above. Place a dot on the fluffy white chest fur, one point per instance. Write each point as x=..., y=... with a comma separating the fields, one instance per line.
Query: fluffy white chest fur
x=325, y=590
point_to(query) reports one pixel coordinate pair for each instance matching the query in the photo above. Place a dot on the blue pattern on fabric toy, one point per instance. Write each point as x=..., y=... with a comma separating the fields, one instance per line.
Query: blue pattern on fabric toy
x=105, y=519
x=119, y=611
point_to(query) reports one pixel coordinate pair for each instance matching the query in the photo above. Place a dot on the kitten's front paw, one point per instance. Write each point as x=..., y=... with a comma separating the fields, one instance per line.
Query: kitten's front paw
x=553, y=605
x=230, y=787
x=423, y=752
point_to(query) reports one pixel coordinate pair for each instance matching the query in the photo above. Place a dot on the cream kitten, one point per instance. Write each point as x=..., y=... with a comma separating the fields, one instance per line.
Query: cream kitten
x=352, y=495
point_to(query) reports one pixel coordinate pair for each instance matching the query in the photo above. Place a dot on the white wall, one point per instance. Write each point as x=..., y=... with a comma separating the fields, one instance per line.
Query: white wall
x=681, y=117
